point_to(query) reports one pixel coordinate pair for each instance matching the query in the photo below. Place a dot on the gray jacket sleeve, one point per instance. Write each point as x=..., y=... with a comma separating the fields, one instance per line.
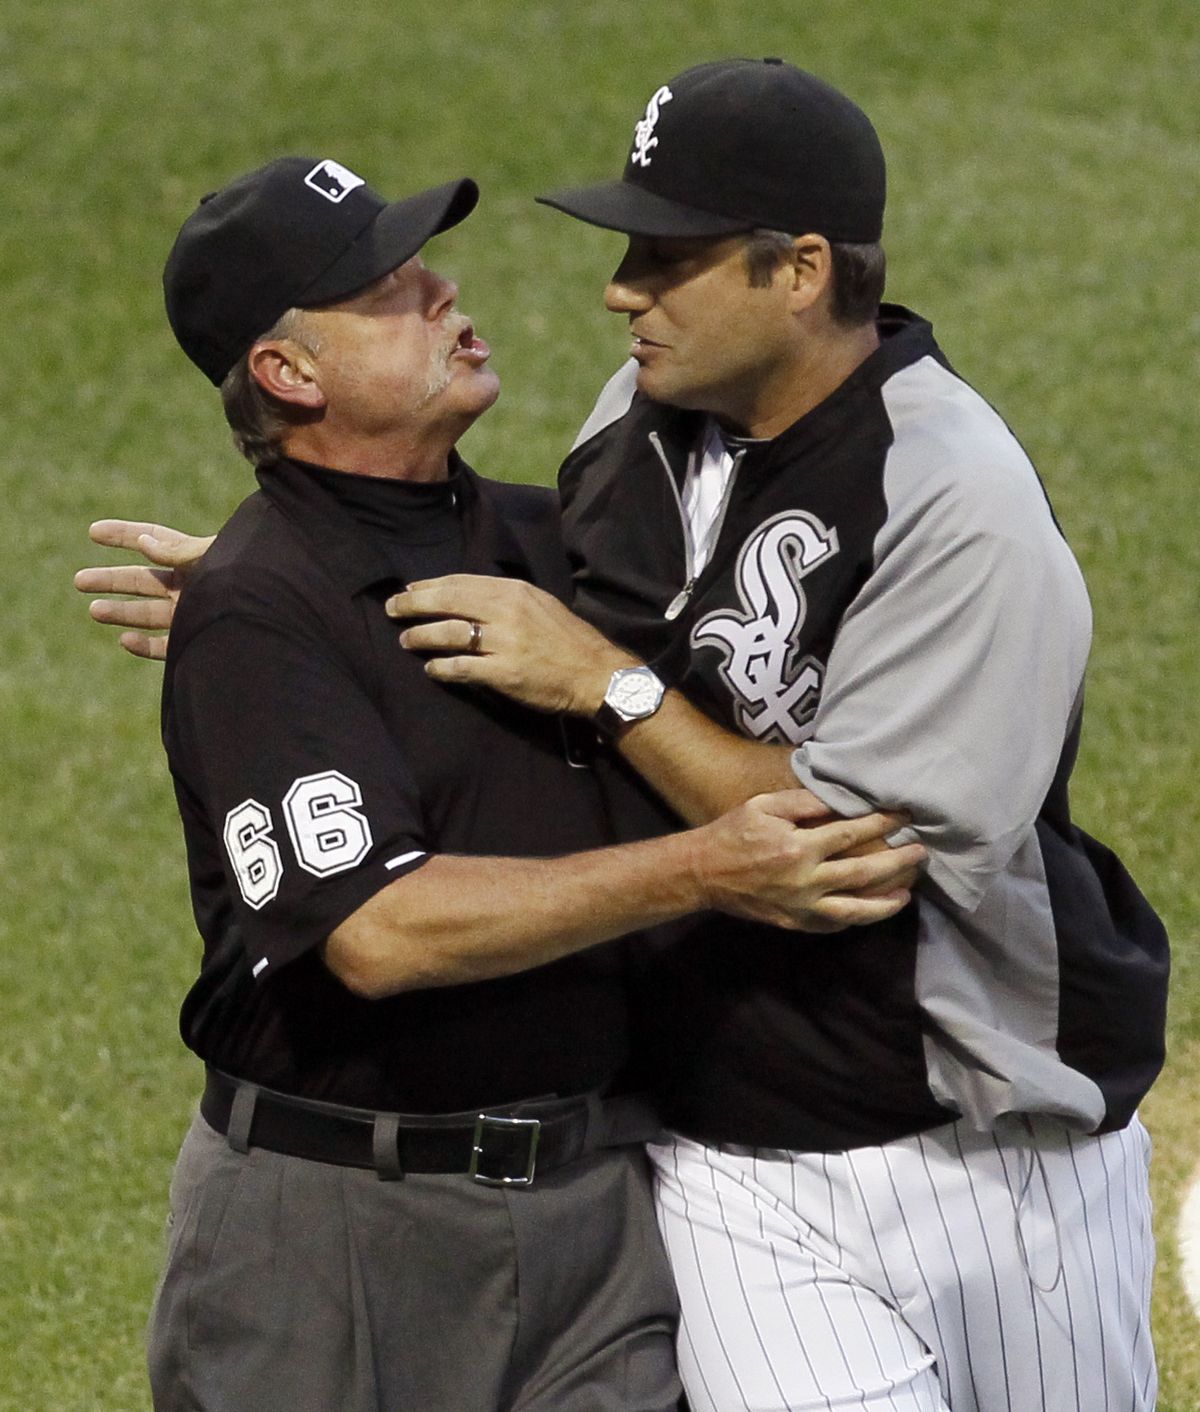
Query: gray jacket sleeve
x=957, y=671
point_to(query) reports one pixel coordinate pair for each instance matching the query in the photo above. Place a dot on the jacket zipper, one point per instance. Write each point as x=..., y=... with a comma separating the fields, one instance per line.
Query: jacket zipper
x=681, y=599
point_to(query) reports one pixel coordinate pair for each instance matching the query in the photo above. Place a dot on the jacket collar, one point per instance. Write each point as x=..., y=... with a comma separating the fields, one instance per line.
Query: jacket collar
x=359, y=559
x=905, y=338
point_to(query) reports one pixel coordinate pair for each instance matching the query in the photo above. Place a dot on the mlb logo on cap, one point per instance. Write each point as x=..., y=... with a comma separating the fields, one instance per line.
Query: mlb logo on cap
x=332, y=181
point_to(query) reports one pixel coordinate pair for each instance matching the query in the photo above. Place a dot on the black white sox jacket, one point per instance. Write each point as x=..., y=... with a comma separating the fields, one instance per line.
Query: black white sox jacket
x=890, y=592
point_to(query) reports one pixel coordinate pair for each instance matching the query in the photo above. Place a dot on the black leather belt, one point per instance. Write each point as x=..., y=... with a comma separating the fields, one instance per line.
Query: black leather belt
x=501, y=1146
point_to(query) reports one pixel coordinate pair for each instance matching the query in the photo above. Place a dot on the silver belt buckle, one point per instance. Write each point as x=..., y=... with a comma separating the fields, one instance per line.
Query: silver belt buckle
x=504, y=1150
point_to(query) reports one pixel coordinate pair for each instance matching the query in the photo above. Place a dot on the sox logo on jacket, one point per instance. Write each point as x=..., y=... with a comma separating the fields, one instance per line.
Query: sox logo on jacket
x=776, y=687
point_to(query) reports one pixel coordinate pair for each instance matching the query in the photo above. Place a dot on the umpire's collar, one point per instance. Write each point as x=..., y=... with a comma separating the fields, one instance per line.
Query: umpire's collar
x=358, y=558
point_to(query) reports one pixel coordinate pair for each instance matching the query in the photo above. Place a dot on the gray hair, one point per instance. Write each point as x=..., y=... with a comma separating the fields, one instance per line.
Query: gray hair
x=257, y=419
x=859, y=272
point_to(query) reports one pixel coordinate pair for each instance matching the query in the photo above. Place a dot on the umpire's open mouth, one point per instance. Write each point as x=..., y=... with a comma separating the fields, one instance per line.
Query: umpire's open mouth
x=471, y=347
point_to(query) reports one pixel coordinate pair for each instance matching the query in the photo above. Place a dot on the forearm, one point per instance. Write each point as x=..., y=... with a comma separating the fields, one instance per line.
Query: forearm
x=457, y=919
x=700, y=768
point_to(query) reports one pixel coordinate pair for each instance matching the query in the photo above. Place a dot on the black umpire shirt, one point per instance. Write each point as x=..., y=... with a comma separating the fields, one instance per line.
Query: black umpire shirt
x=314, y=763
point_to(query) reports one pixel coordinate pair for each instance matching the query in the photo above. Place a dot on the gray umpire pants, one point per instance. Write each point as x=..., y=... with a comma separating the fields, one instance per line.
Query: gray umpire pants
x=295, y=1286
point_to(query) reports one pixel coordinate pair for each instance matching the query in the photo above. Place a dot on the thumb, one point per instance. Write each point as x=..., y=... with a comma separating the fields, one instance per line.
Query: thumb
x=173, y=553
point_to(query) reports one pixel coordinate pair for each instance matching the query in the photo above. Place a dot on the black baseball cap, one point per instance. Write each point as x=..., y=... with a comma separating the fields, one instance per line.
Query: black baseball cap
x=297, y=232
x=739, y=144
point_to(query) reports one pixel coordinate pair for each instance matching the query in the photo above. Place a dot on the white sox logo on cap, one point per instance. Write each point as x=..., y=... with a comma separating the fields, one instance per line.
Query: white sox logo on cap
x=747, y=143
x=643, y=132
x=332, y=181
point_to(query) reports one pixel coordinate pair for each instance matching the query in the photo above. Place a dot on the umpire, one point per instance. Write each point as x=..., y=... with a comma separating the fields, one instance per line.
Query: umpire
x=409, y=1184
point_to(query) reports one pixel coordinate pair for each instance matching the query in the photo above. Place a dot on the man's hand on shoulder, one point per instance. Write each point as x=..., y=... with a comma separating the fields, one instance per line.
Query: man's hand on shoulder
x=154, y=591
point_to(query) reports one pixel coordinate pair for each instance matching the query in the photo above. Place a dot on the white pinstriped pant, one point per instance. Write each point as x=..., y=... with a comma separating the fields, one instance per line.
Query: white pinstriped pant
x=976, y=1272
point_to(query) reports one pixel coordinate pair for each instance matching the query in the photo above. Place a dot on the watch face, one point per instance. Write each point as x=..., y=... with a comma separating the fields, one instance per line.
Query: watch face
x=636, y=694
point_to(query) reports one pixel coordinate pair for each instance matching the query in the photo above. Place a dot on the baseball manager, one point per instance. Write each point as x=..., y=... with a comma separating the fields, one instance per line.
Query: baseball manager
x=906, y=1169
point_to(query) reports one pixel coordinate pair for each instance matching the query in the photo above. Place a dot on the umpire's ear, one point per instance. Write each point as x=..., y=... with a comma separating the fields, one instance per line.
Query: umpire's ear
x=286, y=370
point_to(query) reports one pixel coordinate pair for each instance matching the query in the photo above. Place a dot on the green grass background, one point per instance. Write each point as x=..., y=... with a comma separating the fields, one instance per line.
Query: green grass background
x=1044, y=174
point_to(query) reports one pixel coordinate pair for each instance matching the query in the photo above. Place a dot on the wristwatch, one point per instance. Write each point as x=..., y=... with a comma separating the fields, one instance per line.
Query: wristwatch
x=633, y=694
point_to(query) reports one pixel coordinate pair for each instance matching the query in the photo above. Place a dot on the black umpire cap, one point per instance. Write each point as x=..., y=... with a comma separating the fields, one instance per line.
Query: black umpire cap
x=292, y=234
x=740, y=144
